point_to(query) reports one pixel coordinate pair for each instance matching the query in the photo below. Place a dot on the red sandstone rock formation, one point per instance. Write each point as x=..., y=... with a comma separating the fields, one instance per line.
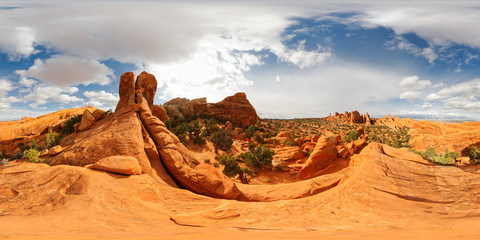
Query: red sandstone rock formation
x=324, y=154
x=147, y=83
x=236, y=109
x=350, y=118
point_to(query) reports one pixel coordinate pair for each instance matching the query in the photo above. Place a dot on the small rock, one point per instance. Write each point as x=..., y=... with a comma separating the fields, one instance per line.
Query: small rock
x=43, y=152
x=119, y=164
x=55, y=150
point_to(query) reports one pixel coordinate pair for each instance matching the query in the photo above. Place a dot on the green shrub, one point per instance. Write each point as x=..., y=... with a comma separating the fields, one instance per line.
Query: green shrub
x=250, y=131
x=68, y=129
x=232, y=168
x=207, y=161
x=221, y=140
x=351, y=136
x=51, y=139
x=258, y=138
x=447, y=158
x=261, y=156
x=33, y=156
x=33, y=144
x=429, y=153
x=474, y=153
x=215, y=164
x=443, y=160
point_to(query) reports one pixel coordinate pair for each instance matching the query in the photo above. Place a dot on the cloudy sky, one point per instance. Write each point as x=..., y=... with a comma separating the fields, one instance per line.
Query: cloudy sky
x=292, y=58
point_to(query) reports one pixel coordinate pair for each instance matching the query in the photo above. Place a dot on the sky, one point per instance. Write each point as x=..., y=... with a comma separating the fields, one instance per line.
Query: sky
x=293, y=59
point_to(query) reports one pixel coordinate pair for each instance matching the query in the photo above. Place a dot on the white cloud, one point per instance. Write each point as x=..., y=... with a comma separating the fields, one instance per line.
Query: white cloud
x=402, y=44
x=439, y=23
x=101, y=99
x=19, y=43
x=464, y=96
x=27, y=82
x=44, y=93
x=5, y=103
x=5, y=87
x=412, y=83
x=410, y=95
x=62, y=70
x=302, y=58
x=411, y=87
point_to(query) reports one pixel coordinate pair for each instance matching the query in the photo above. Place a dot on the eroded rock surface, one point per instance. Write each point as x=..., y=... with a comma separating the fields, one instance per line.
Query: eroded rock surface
x=324, y=154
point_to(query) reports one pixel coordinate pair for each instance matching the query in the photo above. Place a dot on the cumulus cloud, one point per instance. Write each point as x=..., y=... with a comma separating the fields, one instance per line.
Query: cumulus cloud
x=5, y=87
x=464, y=96
x=413, y=83
x=27, y=82
x=62, y=70
x=101, y=99
x=411, y=87
x=433, y=23
x=19, y=44
x=44, y=93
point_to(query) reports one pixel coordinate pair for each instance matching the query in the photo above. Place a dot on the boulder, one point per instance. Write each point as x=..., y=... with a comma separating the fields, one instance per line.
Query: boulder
x=285, y=134
x=87, y=120
x=119, y=164
x=315, y=138
x=55, y=150
x=286, y=154
x=147, y=83
x=309, y=146
x=299, y=141
x=324, y=154
x=463, y=160
x=44, y=152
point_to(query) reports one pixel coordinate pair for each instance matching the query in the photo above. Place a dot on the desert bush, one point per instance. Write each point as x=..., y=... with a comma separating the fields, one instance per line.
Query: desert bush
x=207, y=161
x=447, y=158
x=261, y=156
x=258, y=138
x=51, y=139
x=215, y=164
x=33, y=156
x=429, y=153
x=250, y=131
x=474, y=153
x=351, y=136
x=192, y=130
x=232, y=168
x=68, y=129
x=221, y=140
x=33, y=144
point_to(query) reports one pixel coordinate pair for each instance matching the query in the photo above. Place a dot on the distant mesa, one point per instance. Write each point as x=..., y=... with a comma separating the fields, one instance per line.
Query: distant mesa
x=351, y=118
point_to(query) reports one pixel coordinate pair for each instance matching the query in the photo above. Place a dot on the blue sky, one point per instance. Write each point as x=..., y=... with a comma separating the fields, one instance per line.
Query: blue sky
x=293, y=58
